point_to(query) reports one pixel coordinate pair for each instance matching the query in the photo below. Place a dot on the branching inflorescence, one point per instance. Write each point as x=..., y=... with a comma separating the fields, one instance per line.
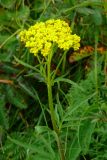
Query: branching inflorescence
x=42, y=35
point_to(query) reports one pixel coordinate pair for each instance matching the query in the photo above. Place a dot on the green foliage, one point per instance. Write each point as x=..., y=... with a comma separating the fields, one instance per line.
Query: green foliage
x=80, y=93
x=15, y=98
x=7, y=3
x=29, y=145
x=3, y=114
x=84, y=111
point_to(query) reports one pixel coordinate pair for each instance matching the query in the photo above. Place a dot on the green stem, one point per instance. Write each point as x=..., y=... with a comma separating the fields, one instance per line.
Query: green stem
x=61, y=150
x=51, y=107
x=15, y=33
x=64, y=55
x=42, y=67
x=84, y=4
x=50, y=99
x=63, y=64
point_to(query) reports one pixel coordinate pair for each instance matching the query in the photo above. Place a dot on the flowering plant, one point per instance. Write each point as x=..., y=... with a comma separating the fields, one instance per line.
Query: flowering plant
x=42, y=38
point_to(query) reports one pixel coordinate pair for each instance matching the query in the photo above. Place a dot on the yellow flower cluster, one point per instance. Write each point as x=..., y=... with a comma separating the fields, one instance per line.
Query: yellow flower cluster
x=42, y=35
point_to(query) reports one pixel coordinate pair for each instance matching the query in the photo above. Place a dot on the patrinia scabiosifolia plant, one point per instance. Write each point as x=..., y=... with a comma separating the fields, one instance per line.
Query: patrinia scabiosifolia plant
x=44, y=37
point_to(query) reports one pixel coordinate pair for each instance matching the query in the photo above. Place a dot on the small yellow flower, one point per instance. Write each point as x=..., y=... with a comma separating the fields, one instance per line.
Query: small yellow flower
x=42, y=35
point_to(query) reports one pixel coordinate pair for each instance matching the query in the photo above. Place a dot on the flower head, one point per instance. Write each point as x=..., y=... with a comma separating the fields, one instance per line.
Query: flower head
x=42, y=35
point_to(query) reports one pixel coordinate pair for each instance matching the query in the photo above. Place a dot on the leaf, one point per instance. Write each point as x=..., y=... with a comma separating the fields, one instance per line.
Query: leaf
x=26, y=64
x=8, y=3
x=42, y=129
x=7, y=67
x=97, y=17
x=70, y=110
x=38, y=6
x=82, y=142
x=84, y=10
x=74, y=149
x=3, y=115
x=23, y=13
x=8, y=42
x=15, y=97
x=60, y=79
x=27, y=90
x=3, y=16
x=84, y=4
x=85, y=132
x=4, y=57
x=27, y=146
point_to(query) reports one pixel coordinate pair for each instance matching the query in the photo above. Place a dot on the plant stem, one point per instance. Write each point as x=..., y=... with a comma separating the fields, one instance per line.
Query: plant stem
x=51, y=107
x=50, y=99
x=61, y=60
x=64, y=62
x=61, y=151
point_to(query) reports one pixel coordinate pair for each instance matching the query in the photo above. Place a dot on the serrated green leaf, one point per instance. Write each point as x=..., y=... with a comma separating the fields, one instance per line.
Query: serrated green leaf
x=85, y=132
x=61, y=79
x=74, y=149
x=82, y=142
x=31, y=147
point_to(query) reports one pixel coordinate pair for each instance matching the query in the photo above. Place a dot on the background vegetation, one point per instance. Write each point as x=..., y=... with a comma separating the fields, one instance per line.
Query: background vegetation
x=80, y=100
